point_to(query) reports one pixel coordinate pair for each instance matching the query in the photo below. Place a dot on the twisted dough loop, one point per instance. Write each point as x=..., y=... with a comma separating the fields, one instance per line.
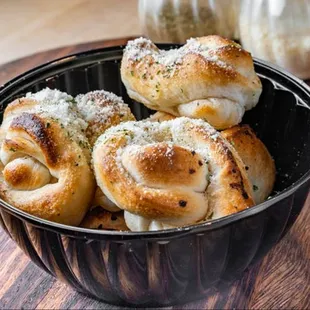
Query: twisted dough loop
x=26, y=173
x=101, y=200
x=60, y=184
x=209, y=78
x=258, y=162
x=175, y=173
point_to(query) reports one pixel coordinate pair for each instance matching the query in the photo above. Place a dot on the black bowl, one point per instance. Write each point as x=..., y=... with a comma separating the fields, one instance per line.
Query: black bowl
x=178, y=265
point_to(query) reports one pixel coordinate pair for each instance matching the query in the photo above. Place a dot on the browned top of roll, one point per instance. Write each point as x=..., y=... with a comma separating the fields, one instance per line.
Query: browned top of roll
x=46, y=158
x=178, y=172
x=209, y=77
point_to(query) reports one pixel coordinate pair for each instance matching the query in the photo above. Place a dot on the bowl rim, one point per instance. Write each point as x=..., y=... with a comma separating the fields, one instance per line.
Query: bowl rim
x=86, y=233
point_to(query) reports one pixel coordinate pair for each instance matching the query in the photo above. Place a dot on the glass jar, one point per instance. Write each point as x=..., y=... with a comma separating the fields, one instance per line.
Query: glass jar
x=178, y=20
x=278, y=31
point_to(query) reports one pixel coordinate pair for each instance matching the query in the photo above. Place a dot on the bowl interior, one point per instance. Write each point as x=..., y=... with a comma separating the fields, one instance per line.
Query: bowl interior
x=281, y=118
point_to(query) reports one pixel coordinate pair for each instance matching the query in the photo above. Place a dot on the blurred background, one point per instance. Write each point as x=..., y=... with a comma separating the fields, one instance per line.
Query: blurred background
x=30, y=26
x=273, y=30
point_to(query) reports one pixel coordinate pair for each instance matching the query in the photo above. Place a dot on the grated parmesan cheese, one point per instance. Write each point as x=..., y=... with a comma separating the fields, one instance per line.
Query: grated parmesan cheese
x=60, y=107
x=172, y=132
x=101, y=110
x=142, y=47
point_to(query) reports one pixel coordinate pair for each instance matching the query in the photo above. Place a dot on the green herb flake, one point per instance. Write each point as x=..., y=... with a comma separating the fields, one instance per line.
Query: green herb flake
x=12, y=149
x=48, y=125
x=132, y=73
x=255, y=188
x=158, y=72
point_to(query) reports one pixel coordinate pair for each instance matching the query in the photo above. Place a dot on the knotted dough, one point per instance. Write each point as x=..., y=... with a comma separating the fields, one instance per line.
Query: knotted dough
x=169, y=174
x=210, y=78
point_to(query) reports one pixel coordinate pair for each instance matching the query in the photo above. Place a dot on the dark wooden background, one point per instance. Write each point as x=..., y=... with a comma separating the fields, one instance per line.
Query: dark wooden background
x=280, y=281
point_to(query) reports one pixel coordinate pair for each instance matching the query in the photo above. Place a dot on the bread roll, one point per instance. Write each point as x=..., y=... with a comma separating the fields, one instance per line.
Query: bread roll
x=46, y=158
x=210, y=77
x=170, y=174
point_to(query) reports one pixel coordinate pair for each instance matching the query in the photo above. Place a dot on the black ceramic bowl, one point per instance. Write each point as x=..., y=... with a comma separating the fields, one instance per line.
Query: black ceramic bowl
x=179, y=265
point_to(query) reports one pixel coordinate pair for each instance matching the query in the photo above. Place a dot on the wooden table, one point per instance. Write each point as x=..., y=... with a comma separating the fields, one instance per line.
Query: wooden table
x=280, y=281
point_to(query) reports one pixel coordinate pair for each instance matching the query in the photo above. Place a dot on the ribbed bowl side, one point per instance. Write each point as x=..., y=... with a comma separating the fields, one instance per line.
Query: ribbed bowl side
x=170, y=270
x=155, y=272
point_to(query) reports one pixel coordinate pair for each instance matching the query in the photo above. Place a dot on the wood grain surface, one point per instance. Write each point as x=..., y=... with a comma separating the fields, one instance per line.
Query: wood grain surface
x=280, y=281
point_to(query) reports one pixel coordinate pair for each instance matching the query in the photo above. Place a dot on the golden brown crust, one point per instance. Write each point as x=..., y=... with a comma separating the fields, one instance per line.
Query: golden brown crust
x=160, y=117
x=37, y=130
x=100, y=199
x=26, y=174
x=180, y=167
x=46, y=139
x=259, y=164
x=176, y=201
x=66, y=196
x=98, y=218
x=212, y=79
x=257, y=160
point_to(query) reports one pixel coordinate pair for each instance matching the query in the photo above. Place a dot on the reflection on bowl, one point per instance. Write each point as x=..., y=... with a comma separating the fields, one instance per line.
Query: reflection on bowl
x=174, y=266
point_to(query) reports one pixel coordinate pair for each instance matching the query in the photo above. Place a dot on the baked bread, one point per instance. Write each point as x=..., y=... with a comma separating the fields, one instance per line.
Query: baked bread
x=258, y=162
x=259, y=165
x=45, y=157
x=101, y=110
x=210, y=77
x=98, y=218
x=160, y=117
x=101, y=200
x=169, y=174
